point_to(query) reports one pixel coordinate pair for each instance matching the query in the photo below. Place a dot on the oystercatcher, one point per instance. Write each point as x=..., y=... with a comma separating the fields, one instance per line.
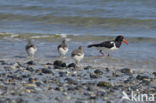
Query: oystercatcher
x=62, y=48
x=109, y=45
x=78, y=55
x=30, y=49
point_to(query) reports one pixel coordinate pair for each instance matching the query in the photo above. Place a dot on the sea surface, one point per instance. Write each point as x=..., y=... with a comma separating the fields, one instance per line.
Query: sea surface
x=81, y=22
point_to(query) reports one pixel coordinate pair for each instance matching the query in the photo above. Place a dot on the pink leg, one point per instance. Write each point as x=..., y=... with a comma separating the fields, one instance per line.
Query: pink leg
x=108, y=54
x=100, y=51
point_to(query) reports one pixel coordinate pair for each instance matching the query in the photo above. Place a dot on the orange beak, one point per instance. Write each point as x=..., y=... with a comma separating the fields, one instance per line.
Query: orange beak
x=125, y=41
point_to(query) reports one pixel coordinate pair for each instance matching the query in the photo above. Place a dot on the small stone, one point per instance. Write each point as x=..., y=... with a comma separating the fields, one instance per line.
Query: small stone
x=38, y=84
x=126, y=71
x=46, y=71
x=88, y=67
x=93, y=76
x=62, y=74
x=104, y=84
x=154, y=73
x=107, y=69
x=59, y=64
x=115, y=74
x=32, y=80
x=141, y=77
x=30, y=69
x=49, y=64
x=31, y=63
x=72, y=65
x=98, y=72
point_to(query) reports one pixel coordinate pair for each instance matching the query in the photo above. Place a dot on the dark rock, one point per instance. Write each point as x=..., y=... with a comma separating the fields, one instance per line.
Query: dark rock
x=104, y=84
x=46, y=71
x=38, y=84
x=59, y=64
x=20, y=100
x=154, y=73
x=62, y=74
x=26, y=76
x=98, y=72
x=31, y=63
x=72, y=65
x=115, y=74
x=49, y=64
x=88, y=67
x=142, y=77
x=107, y=69
x=126, y=71
x=93, y=76
x=71, y=81
x=3, y=62
x=30, y=69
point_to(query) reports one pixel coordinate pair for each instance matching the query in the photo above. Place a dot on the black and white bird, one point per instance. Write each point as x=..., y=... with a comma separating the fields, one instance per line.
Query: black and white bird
x=78, y=55
x=30, y=49
x=62, y=48
x=109, y=45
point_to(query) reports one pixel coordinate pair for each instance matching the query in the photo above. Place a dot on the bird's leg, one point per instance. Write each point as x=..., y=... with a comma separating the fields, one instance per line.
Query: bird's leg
x=100, y=51
x=108, y=54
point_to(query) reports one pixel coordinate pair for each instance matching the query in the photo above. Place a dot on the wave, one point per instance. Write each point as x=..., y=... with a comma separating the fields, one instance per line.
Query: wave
x=74, y=37
x=78, y=20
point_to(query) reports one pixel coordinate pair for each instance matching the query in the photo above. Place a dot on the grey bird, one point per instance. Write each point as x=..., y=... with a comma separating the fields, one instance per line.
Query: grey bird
x=62, y=48
x=78, y=55
x=30, y=49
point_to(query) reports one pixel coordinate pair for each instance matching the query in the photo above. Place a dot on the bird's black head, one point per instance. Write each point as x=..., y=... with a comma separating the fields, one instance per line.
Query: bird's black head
x=119, y=38
x=64, y=41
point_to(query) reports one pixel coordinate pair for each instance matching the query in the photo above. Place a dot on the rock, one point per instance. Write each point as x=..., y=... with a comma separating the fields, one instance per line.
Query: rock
x=30, y=69
x=98, y=72
x=62, y=74
x=93, y=76
x=107, y=69
x=126, y=71
x=59, y=64
x=20, y=100
x=104, y=84
x=31, y=63
x=72, y=65
x=142, y=77
x=88, y=67
x=115, y=74
x=38, y=84
x=3, y=62
x=32, y=80
x=49, y=64
x=154, y=73
x=71, y=81
x=46, y=71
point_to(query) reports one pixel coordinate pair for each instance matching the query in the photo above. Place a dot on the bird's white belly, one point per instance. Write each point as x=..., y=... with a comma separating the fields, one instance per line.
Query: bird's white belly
x=63, y=51
x=31, y=51
x=78, y=58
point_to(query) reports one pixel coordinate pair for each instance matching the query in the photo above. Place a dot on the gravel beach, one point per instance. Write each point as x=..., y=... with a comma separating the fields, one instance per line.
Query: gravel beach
x=55, y=80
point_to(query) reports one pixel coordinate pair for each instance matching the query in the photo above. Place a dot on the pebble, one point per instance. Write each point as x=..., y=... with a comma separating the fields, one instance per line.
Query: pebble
x=142, y=77
x=126, y=71
x=88, y=67
x=104, y=84
x=31, y=63
x=72, y=65
x=98, y=72
x=30, y=69
x=59, y=64
x=46, y=71
x=93, y=76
